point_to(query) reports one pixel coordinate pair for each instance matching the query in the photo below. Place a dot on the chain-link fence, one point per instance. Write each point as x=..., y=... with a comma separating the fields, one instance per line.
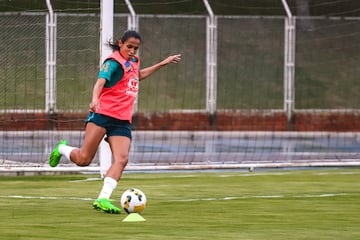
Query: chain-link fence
x=250, y=62
x=250, y=77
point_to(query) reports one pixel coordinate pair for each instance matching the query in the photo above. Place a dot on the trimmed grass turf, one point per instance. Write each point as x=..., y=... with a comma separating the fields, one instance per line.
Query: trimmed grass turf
x=312, y=204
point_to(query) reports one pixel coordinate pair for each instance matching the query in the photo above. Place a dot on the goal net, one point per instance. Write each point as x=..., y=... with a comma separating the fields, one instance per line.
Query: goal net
x=254, y=88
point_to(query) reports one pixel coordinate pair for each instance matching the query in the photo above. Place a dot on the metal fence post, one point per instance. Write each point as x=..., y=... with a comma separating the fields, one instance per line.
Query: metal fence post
x=289, y=64
x=289, y=68
x=50, y=84
x=133, y=24
x=133, y=21
x=211, y=59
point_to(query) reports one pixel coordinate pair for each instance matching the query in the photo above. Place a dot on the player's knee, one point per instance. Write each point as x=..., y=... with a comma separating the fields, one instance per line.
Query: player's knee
x=122, y=160
x=84, y=160
x=83, y=163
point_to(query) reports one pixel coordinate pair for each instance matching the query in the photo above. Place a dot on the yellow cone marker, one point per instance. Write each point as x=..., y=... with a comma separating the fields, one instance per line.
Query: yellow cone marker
x=134, y=217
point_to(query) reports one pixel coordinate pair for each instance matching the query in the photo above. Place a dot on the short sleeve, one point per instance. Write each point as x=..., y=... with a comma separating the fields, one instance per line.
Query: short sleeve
x=110, y=69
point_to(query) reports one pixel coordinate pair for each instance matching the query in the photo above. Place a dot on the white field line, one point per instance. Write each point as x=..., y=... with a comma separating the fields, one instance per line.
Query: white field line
x=192, y=199
x=87, y=180
x=47, y=198
x=262, y=197
x=229, y=174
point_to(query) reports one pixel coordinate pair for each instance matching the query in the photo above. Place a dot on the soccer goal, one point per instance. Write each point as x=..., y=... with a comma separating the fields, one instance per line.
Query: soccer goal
x=259, y=88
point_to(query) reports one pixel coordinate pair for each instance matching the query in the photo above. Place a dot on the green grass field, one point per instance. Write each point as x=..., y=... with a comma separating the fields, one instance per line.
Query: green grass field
x=307, y=204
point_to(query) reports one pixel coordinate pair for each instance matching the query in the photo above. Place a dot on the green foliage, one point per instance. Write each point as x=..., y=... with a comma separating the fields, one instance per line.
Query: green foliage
x=312, y=204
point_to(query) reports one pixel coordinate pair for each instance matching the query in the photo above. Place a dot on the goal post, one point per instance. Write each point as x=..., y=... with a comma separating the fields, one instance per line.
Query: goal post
x=106, y=33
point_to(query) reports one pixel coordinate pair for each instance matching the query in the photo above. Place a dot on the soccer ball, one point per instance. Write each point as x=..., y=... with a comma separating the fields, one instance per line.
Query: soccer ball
x=133, y=200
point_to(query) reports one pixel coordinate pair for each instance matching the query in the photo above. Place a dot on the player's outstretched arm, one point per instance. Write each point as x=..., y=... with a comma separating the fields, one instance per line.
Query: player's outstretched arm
x=144, y=73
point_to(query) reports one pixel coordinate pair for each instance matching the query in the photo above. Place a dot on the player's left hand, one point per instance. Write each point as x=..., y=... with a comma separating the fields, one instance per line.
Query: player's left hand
x=173, y=59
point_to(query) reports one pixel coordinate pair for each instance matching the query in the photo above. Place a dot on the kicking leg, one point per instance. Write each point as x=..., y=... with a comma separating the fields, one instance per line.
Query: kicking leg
x=81, y=157
x=93, y=136
x=120, y=149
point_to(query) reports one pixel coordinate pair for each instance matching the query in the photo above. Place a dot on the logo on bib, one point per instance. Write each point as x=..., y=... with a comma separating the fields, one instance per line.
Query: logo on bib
x=133, y=87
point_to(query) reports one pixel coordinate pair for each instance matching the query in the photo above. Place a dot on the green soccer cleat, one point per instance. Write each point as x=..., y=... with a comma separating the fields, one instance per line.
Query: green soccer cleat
x=55, y=155
x=103, y=204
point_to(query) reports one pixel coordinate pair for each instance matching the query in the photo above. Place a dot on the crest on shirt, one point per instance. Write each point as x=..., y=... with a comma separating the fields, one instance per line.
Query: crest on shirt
x=133, y=87
x=127, y=66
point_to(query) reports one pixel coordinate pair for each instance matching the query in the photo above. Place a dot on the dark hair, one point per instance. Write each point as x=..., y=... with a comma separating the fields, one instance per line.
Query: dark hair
x=114, y=45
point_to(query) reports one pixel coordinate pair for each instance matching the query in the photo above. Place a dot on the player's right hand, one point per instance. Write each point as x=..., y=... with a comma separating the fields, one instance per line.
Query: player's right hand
x=93, y=106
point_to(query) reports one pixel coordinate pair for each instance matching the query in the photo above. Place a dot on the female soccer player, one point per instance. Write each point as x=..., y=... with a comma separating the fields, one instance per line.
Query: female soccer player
x=110, y=110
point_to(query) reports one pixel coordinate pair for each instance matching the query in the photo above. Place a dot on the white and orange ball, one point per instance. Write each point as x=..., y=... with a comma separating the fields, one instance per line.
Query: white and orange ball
x=133, y=200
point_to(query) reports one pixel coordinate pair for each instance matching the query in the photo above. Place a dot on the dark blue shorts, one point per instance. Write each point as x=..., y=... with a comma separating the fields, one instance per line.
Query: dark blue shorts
x=113, y=126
